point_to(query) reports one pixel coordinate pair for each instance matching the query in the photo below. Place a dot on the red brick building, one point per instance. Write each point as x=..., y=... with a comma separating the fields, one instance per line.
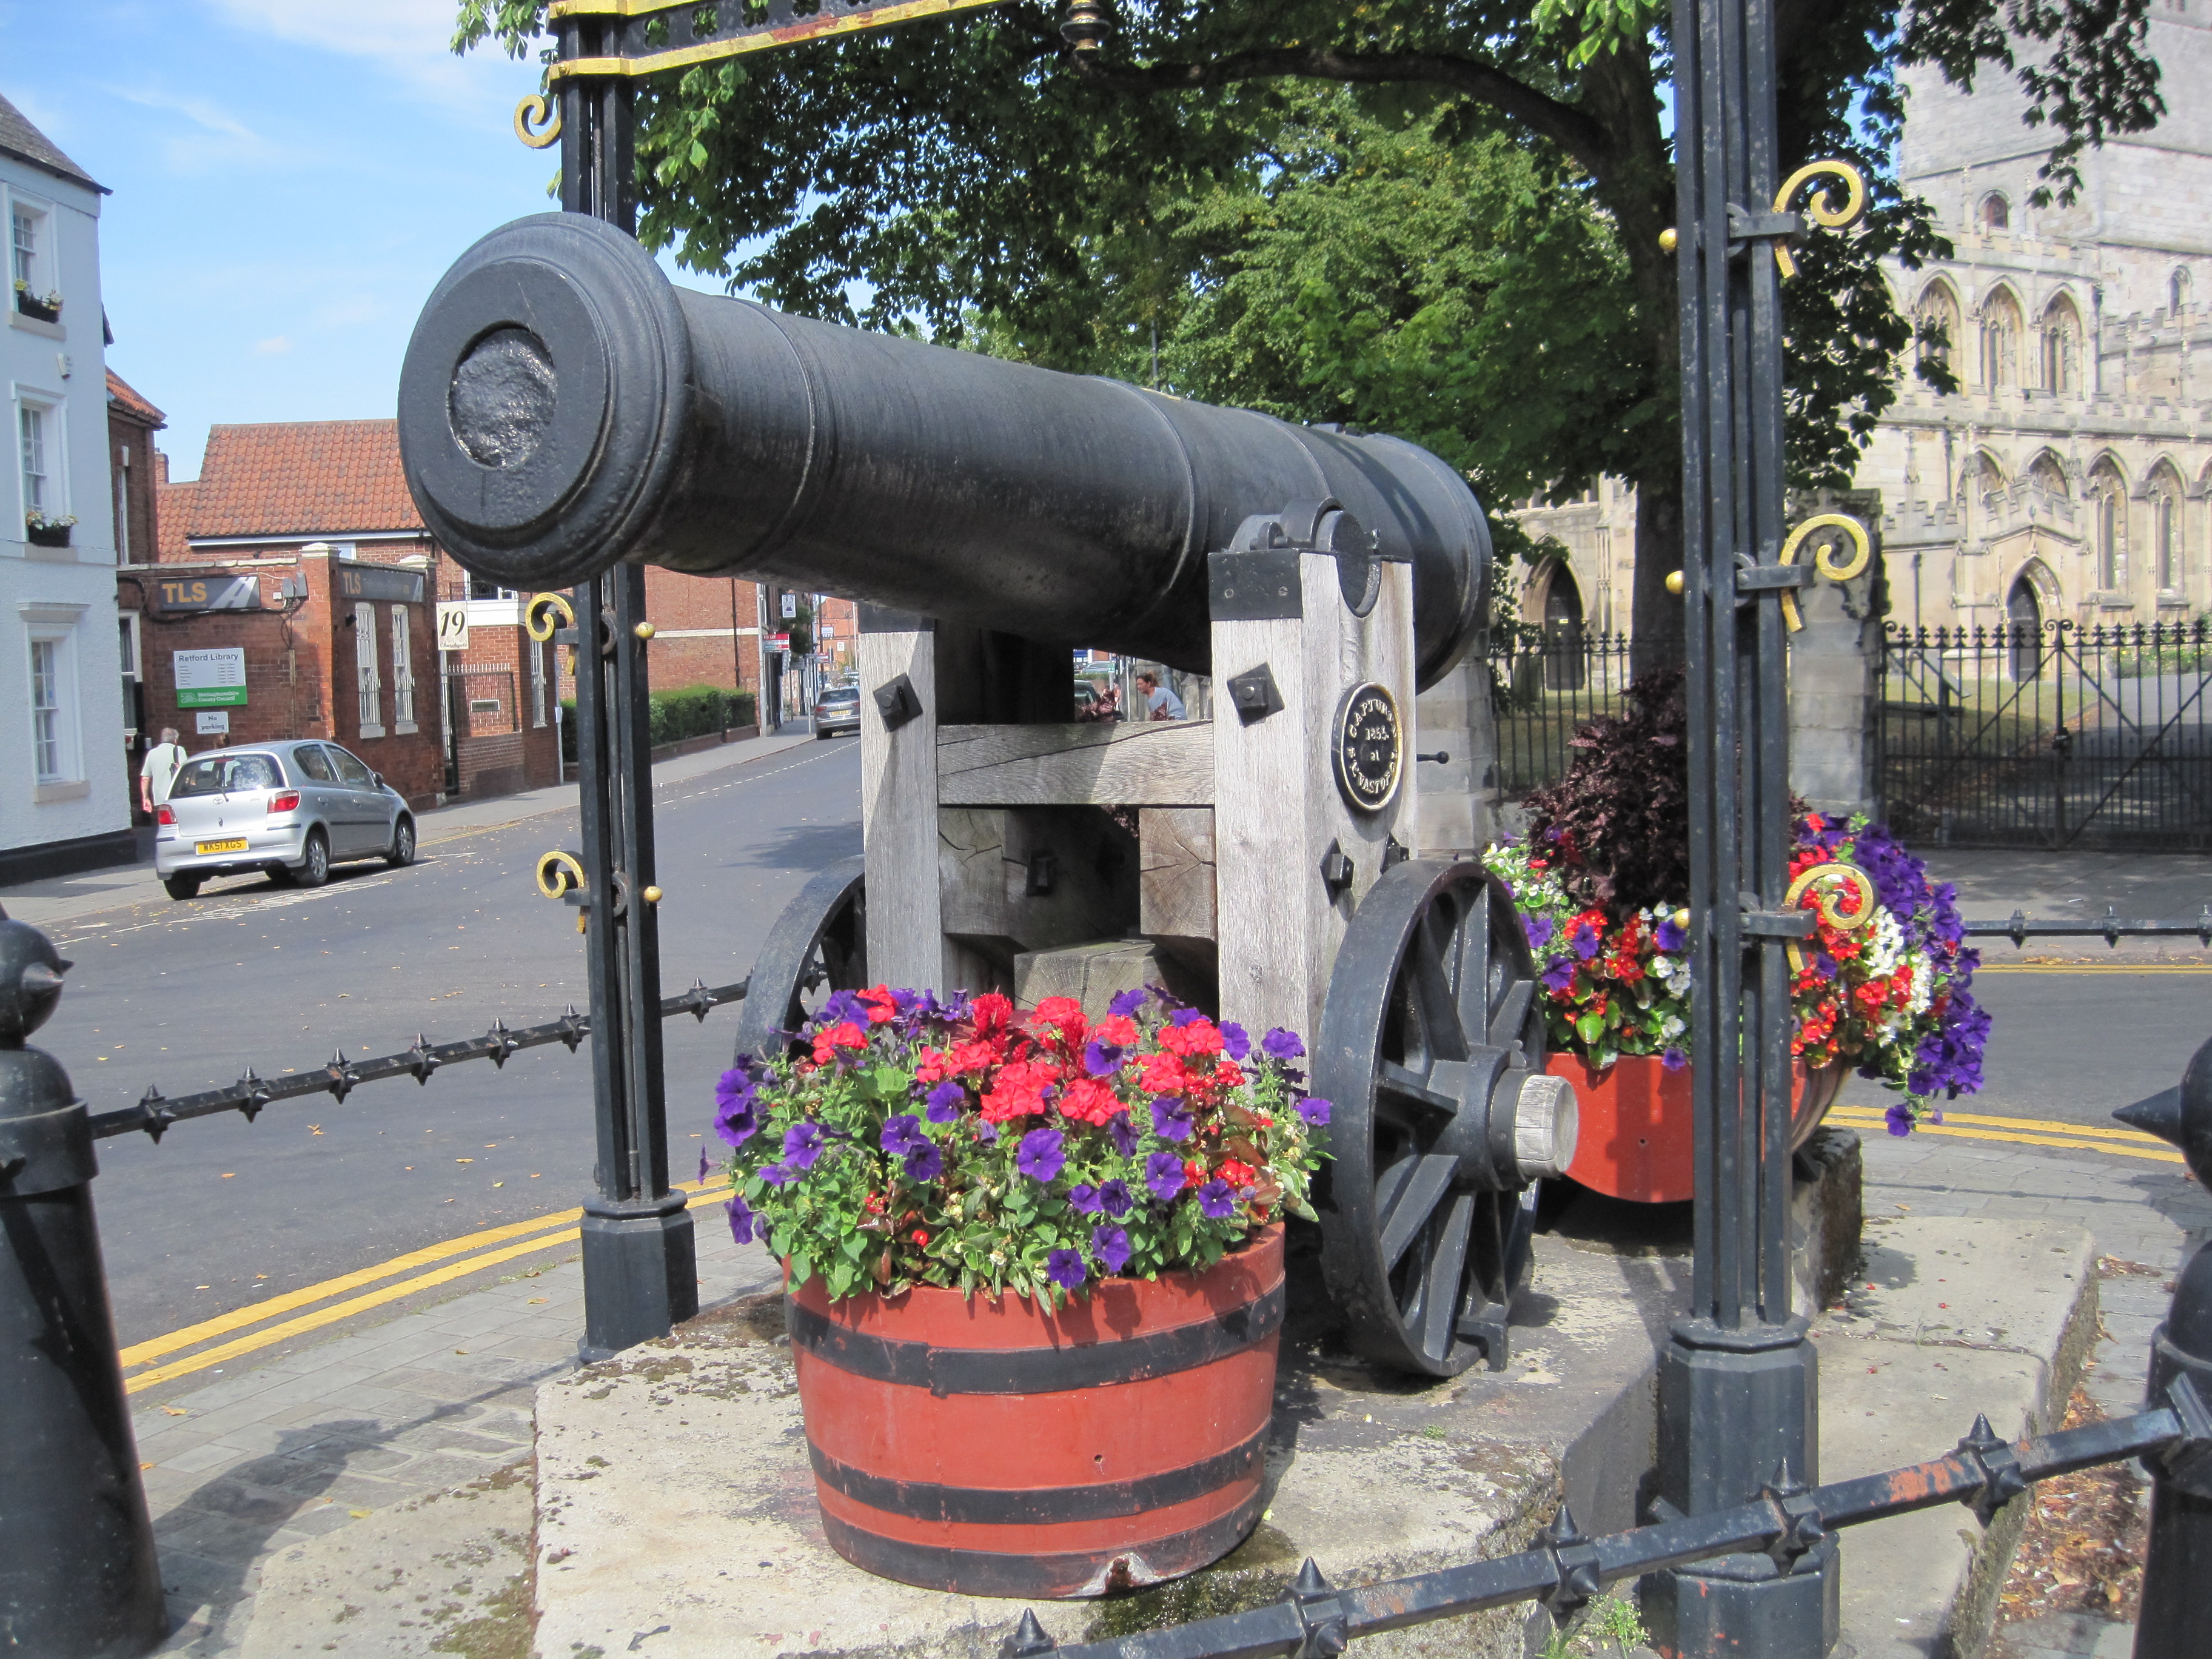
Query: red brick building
x=296, y=563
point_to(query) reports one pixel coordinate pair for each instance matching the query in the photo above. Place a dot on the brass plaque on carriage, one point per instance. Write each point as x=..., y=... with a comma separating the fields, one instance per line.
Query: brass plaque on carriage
x=1369, y=747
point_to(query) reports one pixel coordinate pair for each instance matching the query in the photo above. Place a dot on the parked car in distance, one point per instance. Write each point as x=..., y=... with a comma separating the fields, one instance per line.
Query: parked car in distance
x=293, y=808
x=837, y=709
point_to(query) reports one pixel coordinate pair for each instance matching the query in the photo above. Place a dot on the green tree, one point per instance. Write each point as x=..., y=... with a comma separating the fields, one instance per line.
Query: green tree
x=978, y=167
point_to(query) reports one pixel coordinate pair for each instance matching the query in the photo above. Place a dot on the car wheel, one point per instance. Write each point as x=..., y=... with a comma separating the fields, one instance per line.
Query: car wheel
x=182, y=885
x=316, y=869
x=403, y=844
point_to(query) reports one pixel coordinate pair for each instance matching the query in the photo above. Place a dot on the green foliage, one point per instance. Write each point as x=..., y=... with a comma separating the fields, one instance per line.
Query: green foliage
x=692, y=711
x=1610, y=1627
x=971, y=180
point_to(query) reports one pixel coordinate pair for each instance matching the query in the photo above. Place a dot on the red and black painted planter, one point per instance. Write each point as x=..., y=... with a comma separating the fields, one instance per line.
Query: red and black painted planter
x=996, y=1449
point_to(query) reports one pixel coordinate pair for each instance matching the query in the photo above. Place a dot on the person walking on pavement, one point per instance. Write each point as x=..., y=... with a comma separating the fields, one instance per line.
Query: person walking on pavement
x=157, y=772
x=1160, y=703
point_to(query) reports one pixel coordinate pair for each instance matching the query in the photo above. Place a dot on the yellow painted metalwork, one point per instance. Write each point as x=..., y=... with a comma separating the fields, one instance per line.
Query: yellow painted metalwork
x=559, y=872
x=1823, y=557
x=675, y=57
x=536, y=122
x=1825, y=885
x=538, y=615
x=1818, y=211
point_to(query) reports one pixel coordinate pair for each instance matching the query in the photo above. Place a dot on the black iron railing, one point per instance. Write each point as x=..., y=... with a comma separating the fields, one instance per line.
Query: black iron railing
x=1544, y=689
x=154, y=1112
x=2048, y=735
x=1565, y=1570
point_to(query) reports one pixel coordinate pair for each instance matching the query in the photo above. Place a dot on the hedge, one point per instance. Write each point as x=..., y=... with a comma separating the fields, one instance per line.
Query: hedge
x=692, y=711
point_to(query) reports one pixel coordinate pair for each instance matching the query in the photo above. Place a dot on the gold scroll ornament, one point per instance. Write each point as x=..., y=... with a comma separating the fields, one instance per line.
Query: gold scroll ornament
x=536, y=122
x=1833, y=528
x=1825, y=885
x=1820, y=209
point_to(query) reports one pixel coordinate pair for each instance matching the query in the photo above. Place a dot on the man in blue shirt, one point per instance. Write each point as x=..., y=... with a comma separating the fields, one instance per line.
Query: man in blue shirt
x=1160, y=703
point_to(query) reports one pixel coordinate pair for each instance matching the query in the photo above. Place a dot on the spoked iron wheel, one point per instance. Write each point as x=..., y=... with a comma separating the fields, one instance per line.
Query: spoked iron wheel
x=1431, y=1051
x=818, y=944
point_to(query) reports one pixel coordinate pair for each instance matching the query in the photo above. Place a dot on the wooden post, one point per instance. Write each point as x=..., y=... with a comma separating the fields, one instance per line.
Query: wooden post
x=898, y=801
x=1278, y=809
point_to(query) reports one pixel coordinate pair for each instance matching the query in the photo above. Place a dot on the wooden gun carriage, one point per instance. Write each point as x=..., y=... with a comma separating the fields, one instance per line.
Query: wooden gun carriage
x=563, y=407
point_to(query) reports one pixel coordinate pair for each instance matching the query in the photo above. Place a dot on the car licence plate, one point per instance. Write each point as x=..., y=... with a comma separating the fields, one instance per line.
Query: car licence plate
x=204, y=847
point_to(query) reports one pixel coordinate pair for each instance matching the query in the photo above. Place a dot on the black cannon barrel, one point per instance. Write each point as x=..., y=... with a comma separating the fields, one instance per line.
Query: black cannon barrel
x=564, y=407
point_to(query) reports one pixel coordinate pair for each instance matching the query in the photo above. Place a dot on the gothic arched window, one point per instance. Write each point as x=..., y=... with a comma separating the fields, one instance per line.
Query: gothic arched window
x=1996, y=212
x=2062, y=346
x=2109, y=524
x=2000, y=332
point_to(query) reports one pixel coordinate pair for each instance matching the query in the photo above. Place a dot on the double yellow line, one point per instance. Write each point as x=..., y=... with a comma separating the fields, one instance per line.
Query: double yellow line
x=461, y=1256
x=2022, y=1131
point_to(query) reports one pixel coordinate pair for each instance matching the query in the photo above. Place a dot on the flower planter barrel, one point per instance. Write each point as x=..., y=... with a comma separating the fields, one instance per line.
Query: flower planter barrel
x=998, y=1448
x=1638, y=1124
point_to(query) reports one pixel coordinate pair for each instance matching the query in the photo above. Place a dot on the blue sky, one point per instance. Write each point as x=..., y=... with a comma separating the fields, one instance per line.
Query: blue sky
x=290, y=178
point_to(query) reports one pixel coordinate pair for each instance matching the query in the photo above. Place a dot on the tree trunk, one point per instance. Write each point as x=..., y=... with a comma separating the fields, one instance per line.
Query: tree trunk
x=1655, y=615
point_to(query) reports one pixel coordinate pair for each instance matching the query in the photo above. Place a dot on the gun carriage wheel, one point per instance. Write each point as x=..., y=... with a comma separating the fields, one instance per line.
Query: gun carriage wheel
x=1431, y=1052
x=818, y=944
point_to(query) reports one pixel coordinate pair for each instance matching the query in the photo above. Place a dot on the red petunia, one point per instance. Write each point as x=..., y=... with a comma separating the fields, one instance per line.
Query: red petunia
x=1162, y=1074
x=1019, y=1089
x=1090, y=1101
x=1064, y=1015
x=843, y=1035
x=876, y=999
x=1238, y=1174
x=992, y=1014
x=1199, y=1037
x=1119, y=1029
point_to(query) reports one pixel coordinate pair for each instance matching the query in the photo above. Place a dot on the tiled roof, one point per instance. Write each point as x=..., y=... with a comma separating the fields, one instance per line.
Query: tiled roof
x=121, y=396
x=173, y=510
x=302, y=478
x=19, y=138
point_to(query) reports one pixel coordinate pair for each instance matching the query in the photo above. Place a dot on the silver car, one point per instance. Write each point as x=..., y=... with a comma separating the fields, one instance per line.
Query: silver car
x=293, y=809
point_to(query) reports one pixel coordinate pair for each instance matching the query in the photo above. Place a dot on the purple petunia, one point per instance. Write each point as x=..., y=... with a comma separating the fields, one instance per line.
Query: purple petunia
x=1113, y=1196
x=1111, y=1246
x=1669, y=935
x=1949, y=1057
x=1559, y=974
x=1171, y=1117
x=1236, y=1041
x=1539, y=929
x=1315, y=1110
x=1900, y=1118
x=1126, y=1005
x=945, y=1103
x=741, y=1219
x=1215, y=1201
x=1672, y=1058
x=1586, y=937
x=737, y=1107
x=1164, y=1174
x=1101, y=1059
x=1122, y=1134
x=925, y=1163
x=1039, y=1156
x=1084, y=1197
x=802, y=1145
x=1279, y=1044
x=1185, y=1017
x=1066, y=1269
x=902, y=1134
x=703, y=1164
x=841, y=1005
x=778, y=1175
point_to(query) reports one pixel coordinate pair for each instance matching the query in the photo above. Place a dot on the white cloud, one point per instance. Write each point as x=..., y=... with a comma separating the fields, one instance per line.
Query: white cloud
x=408, y=39
x=274, y=345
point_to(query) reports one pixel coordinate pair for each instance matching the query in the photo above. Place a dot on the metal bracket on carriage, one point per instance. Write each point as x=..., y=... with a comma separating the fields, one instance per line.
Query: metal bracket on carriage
x=1779, y=924
x=1255, y=579
x=1746, y=228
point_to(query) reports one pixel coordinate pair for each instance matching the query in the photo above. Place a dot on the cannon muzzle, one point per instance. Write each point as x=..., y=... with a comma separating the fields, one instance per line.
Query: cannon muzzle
x=563, y=407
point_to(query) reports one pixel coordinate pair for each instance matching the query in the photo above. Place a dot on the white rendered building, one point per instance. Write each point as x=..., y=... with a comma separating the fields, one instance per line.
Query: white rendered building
x=64, y=804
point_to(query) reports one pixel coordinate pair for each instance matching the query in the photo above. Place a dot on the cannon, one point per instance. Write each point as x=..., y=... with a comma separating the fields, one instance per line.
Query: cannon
x=563, y=408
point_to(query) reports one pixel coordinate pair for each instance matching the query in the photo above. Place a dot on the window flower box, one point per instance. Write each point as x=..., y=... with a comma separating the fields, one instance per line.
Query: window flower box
x=1011, y=1242
x=45, y=309
x=43, y=531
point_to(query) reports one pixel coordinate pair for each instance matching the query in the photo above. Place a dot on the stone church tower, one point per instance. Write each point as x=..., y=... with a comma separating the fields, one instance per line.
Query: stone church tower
x=2067, y=476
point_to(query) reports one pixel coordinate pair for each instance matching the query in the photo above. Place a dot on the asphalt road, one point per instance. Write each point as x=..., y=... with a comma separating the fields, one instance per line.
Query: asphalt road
x=222, y=1212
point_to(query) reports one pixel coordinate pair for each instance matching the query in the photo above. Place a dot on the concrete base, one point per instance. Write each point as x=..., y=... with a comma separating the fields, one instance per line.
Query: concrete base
x=675, y=1510
x=674, y=1493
